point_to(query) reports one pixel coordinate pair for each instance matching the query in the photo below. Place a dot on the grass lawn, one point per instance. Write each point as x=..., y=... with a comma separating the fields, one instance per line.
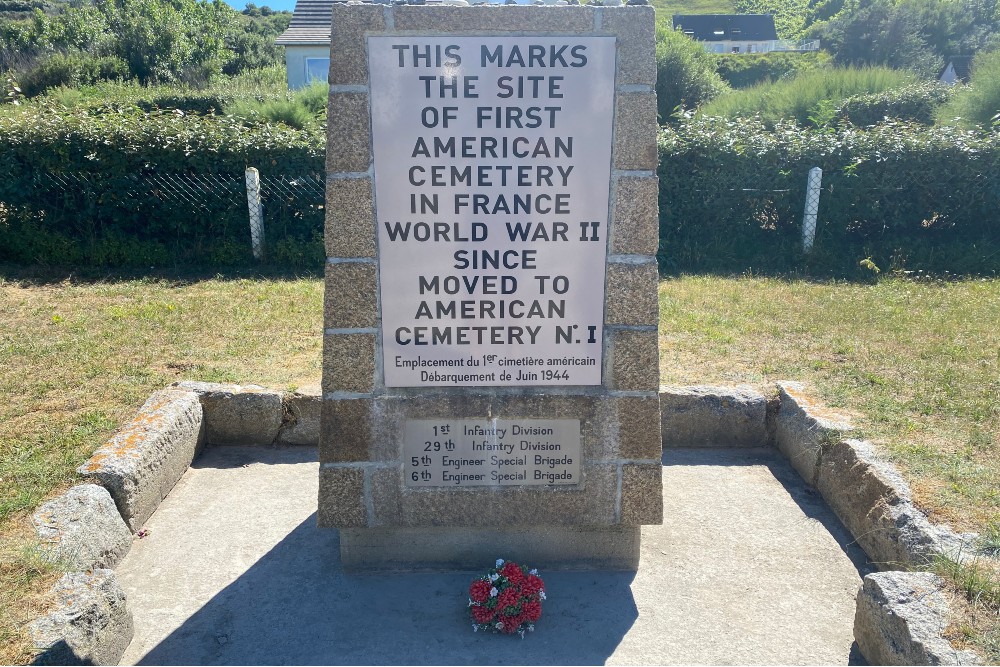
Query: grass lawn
x=918, y=363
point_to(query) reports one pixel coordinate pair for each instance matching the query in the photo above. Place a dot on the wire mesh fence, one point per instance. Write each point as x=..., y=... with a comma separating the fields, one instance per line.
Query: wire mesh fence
x=828, y=221
x=164, y=218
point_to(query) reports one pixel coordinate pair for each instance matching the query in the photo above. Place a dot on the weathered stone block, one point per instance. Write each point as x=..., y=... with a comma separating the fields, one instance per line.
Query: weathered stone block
x=593, y=504
x=349, y=301
x=635, y=28
x=91, y=624
x=245, y=415
x=350, y=218
x=642, y=494
x=706, y=416
x=635, y=360
x=635, y=216
x=900, y=620
x=635, y=132
x=631, y=294
x=803, y=426
x=302, y=419
x=348, y=65
x=342, y=498
x=83, y=528
x=639, y=428
x=873, y=501
x=347, y=432
x=499, y=18
x=349, y=363
x=140, y=464
x=349, y=131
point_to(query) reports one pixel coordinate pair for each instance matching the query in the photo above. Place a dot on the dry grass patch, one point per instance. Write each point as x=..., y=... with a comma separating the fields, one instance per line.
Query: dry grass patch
x=25, y=578
x=78, y=359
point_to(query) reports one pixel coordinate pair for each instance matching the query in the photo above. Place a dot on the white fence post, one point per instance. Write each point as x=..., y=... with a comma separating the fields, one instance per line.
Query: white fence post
x=256, y=213
x=812, y=208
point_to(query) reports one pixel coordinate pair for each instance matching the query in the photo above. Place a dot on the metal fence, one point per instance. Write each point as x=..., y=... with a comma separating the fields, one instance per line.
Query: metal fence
x=188, y=217
x=828, y=222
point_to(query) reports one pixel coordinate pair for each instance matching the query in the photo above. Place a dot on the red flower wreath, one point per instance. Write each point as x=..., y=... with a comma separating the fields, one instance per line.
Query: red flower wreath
x=506, y=599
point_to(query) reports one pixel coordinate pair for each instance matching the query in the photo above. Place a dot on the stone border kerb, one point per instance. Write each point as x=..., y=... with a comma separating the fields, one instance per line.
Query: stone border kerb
x=89, y=527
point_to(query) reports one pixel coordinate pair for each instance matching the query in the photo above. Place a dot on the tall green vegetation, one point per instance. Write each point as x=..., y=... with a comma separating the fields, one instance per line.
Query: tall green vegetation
x=811, y=98
x=979, y=102
x=742, y=70
x=912, y=34
x=685, y=73
x=919, y=103
x=304, y=109
x=159, y=41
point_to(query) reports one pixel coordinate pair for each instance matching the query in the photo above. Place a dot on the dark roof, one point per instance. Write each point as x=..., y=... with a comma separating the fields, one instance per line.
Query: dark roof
x=962, y=65
x=727, y=27
x=310, y=24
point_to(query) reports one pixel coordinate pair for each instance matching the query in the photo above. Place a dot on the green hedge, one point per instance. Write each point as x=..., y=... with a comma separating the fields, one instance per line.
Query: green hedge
x=908, y=197
x=742, y=70
x=919, y=103
x=82, y=188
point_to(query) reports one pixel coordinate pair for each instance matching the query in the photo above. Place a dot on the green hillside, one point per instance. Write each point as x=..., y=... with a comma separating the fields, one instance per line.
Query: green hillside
x=667, y=8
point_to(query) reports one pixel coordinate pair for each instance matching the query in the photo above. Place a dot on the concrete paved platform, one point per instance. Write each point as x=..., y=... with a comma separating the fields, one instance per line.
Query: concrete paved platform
x=749, y=568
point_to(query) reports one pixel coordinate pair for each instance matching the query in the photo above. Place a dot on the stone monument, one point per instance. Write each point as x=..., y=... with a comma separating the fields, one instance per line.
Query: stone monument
x=490, y=366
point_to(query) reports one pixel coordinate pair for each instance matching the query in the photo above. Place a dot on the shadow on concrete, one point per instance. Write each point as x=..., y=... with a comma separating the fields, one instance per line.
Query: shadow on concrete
x=807, y=498
x=229, y=458
x=297, y=606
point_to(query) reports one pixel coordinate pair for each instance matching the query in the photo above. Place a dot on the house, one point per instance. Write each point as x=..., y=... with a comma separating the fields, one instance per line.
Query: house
x=307, y=39
x=958, y=70
x=737, y=33
x=307, y=42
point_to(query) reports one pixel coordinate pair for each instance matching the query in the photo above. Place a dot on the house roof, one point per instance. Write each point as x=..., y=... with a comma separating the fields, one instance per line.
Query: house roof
x=727, y=27
x=962, y=65
x=310, y=24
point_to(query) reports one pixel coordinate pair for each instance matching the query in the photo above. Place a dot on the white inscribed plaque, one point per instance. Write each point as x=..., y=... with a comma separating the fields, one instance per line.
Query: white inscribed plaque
x=492, y=171
x=491, y=452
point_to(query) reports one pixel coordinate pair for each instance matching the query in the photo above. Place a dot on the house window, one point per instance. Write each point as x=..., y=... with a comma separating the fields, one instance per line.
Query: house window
x=317, y=69
x=719, y=48
x=736, y=49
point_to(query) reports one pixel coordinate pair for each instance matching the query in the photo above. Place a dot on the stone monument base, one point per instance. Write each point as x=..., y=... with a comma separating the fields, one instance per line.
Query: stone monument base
x=462, y=548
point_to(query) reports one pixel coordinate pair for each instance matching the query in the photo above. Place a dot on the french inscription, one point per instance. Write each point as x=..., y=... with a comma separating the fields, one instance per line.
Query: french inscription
x=492, y=452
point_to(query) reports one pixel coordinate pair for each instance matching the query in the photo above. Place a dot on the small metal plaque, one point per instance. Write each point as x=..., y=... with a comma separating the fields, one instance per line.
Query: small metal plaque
x=492, y=452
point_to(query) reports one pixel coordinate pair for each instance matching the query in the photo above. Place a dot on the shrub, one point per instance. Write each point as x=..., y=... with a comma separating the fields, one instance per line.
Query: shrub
x=71, y=70
x=748, y=69
x=252, y=51
x=196, y=103
x=732, y=195
x=685, y=73
x=979, y=102
x=805, y=95
x=302, y=109
x=918, y=103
